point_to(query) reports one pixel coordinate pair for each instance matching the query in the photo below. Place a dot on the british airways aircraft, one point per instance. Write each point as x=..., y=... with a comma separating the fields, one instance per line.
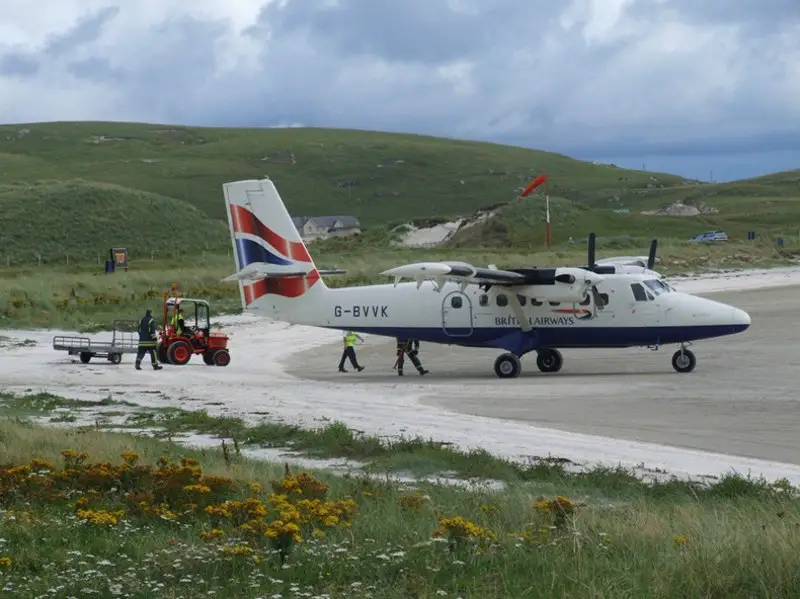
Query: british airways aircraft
x=520, y=310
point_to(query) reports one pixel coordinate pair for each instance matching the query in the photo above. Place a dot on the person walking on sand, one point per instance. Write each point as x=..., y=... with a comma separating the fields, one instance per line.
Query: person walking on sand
x=410, y=347
x=349, y=341
x=147, y=341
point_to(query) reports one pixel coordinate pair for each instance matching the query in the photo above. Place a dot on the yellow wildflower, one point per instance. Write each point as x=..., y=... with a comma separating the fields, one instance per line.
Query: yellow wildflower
x=130, y=457
x=101, y=517
x=38, y=464
x=196, y=489
x=559, y=504
x=680, y=540
x=212, y=534
x=411, y=501
x=236, y=550
x=5, y=561
x=461, y=528
x=280, y=530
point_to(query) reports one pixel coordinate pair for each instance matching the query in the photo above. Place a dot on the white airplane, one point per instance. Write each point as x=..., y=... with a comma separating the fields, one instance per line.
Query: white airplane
x=518, y=310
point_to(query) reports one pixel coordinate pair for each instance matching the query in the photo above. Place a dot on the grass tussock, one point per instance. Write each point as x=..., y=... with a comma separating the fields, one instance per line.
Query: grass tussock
x=115, y=515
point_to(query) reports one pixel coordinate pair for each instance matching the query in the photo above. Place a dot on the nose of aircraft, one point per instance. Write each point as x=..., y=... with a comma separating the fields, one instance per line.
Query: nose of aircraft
x=740, y=318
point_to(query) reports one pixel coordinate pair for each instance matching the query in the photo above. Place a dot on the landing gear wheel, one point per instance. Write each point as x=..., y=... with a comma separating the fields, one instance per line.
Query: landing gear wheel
x=222, y=357
x=549, y=360
x=115, y=358
x=179, y=353
x=683, y=360
x=507, y=366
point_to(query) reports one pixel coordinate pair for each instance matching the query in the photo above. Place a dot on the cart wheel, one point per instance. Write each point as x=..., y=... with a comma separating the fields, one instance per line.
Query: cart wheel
x=85, y=357
x=115, y=358
x=208, y=358
x=179, y=353
x=222, y=357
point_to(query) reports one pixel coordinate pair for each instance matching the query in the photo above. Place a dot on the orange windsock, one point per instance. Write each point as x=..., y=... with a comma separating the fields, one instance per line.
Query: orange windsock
x=533, y=185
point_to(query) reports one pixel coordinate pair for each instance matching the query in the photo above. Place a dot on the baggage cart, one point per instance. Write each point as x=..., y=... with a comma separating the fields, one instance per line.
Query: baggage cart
x=124, y=340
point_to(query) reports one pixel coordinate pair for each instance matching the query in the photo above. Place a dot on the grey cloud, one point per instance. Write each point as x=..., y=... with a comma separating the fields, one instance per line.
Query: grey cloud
x=18, y=64
x=426, y=31
x=770, y=13
x=85, y=31
x=95, y=69
x=378, y=65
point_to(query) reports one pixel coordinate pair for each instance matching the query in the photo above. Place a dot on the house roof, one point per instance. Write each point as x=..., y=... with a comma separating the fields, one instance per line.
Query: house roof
x=326, y=222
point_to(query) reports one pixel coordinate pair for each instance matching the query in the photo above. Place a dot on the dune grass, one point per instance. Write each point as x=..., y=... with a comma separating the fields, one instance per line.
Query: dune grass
x=81, y=297
x=121, y=523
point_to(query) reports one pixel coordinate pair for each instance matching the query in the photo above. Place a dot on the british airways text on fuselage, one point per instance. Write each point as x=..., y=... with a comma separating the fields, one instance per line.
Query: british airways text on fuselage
x=539, y=321
x=362, y=311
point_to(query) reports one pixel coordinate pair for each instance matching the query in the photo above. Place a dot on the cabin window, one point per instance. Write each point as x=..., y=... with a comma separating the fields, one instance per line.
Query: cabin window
x=604, y=297
x=638, y=292
x=522, y=300
x=483, y=300
x=502, y=300
x=456, y=302
x=535, y=302
x=555, y=303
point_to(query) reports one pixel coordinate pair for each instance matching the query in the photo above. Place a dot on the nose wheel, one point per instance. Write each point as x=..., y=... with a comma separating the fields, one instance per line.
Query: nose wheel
x=507, y=366
x=683, y=360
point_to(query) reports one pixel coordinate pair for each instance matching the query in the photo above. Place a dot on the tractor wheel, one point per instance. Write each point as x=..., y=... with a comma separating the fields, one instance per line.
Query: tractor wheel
x=179, y=353
x=222, y=357
x=162, y=354
x=208, y=358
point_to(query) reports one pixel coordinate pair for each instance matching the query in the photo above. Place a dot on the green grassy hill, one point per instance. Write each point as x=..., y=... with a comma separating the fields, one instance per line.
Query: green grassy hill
x=78, y=188
x=82, y=220
x=378, y=177
x=768, y=205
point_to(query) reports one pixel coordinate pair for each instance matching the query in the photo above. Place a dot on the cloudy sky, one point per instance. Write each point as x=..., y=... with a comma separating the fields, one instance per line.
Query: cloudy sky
x=690, y=86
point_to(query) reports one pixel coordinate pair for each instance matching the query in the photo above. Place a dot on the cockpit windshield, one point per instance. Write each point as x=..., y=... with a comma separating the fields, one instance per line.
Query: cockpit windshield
x=657, y=286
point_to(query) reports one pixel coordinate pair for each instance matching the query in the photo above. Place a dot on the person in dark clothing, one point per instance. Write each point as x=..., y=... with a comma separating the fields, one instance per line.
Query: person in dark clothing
x=147, y=341
x=410, y=347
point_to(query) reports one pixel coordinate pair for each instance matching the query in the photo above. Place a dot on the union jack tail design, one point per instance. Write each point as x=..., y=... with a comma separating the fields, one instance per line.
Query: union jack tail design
x=267, y=244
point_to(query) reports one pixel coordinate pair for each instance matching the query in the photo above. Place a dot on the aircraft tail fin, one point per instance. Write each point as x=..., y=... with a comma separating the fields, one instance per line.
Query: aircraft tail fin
x=272, y=262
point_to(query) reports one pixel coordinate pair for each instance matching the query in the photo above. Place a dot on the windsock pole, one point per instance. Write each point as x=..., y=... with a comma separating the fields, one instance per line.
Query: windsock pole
x=547, y=238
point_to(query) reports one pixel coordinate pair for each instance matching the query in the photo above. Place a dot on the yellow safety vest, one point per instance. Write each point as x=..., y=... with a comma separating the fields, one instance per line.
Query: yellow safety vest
x=350, y=339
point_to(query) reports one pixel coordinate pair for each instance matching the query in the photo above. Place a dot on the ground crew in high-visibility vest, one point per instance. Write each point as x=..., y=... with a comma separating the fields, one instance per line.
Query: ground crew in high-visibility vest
x=349, y=341
x=410, y=347
x=179, y=322
x=147, y=341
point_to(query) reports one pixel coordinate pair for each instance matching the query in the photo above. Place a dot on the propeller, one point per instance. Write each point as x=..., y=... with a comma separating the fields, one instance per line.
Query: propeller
x=651, y=257
x=591, y=263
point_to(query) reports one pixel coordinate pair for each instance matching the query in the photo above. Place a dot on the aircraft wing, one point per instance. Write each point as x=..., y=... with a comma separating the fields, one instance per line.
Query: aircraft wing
x=624, y=260
x=459, y=272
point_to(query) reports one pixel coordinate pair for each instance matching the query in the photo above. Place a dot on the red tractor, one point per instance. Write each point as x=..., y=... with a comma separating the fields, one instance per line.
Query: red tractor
x=197, y=338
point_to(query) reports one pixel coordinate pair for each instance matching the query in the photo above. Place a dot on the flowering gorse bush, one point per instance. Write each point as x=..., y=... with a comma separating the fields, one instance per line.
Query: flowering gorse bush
x=103, y=494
